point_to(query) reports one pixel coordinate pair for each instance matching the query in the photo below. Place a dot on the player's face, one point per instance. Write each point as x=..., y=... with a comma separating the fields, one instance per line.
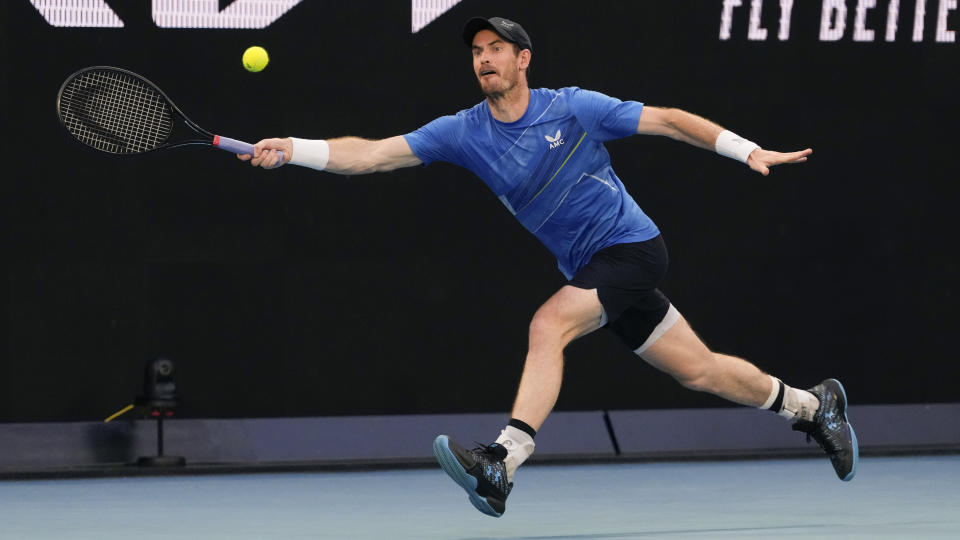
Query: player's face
x=496, y=63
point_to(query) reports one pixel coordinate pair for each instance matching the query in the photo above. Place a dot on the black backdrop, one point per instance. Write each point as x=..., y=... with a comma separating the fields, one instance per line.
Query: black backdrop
x=300, y=293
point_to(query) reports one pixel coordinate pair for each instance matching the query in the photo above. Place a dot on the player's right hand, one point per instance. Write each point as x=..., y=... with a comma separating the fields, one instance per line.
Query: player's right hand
x=265, y=153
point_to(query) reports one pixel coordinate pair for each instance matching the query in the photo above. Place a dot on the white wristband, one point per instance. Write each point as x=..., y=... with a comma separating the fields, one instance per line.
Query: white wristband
x=310, y=153
x=734, y=146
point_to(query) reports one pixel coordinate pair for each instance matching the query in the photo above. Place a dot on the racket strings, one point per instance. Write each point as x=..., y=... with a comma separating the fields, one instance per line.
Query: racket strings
x=115, y=112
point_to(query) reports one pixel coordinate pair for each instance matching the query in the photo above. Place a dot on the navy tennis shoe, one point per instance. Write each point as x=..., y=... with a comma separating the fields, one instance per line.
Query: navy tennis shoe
x=481, y=472
x=831, y=429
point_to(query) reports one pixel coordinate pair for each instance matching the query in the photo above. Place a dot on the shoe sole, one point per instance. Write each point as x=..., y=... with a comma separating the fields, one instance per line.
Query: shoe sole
x=853, y=434
x=451, y=465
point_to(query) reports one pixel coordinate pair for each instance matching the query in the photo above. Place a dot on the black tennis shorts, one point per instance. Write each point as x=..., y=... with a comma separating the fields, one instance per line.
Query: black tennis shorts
x=626, y=277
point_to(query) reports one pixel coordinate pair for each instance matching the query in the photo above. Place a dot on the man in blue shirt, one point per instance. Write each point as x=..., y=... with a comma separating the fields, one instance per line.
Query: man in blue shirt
x=541, y=152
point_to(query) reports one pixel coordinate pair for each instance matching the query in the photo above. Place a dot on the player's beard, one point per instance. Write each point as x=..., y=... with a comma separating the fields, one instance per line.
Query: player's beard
x=501, y=90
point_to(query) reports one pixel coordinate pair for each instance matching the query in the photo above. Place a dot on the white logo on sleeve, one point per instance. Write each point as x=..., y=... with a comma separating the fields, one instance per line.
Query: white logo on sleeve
x=554, y=141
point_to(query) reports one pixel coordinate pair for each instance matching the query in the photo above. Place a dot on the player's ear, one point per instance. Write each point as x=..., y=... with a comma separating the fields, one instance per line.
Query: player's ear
x=524, y=59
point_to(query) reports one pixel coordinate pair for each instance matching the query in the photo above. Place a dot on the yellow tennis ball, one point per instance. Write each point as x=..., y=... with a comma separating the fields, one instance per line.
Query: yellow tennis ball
x=255, y=59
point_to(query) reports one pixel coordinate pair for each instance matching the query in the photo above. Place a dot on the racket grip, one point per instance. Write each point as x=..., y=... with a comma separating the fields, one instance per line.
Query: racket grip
x=235, y=146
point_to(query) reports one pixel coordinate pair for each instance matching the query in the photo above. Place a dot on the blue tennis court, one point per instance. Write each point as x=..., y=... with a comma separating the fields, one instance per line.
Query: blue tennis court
x=892, y=497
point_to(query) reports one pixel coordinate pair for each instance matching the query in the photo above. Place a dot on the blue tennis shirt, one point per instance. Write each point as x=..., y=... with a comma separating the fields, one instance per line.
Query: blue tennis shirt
x=549, y=168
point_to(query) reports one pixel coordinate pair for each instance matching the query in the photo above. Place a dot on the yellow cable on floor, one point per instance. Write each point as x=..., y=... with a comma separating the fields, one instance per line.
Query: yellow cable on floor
x=118, y=413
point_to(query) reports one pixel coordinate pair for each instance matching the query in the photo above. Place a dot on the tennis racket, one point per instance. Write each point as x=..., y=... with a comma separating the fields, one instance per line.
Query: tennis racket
x=117, y=111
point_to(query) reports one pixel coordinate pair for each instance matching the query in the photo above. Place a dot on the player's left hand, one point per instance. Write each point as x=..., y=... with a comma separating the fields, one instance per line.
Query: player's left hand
x=761, y=160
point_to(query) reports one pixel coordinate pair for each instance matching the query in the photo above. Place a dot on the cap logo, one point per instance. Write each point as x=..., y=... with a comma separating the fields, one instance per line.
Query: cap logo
x=506, y=24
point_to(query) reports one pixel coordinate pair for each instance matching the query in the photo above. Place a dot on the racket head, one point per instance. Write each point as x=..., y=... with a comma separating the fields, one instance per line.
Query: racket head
x=117, y=111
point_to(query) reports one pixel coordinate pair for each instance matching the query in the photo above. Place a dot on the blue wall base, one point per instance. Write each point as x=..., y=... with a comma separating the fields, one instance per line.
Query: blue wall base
x=220, y=444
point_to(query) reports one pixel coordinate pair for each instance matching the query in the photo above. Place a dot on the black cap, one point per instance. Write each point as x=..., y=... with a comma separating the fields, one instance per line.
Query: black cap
x=505, y=28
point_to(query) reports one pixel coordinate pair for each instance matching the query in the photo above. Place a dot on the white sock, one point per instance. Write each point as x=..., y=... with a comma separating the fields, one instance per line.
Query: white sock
x=798, y=404
x=519, y=445
x=794, y=403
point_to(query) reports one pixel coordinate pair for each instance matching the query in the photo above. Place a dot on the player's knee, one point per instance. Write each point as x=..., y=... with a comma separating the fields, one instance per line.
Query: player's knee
x=544, y=327
x=550, y=330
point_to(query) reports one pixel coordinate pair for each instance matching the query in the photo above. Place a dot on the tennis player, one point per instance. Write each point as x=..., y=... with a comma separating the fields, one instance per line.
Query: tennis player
x=541, y=152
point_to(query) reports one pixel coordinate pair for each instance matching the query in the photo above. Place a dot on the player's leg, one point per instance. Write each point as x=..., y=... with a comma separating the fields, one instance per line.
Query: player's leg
x=820, y=411
x=680, y=353
x=486, y=473
x=570, y=313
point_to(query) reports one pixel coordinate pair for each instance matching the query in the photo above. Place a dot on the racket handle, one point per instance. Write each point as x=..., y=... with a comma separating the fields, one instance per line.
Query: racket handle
x=235, y=146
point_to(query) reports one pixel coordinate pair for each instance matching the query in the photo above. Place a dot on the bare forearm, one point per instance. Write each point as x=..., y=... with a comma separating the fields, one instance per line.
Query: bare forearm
x=346, y=155
x=692, y=129
x=355, y=155
x=351, y=155
x=699, y=131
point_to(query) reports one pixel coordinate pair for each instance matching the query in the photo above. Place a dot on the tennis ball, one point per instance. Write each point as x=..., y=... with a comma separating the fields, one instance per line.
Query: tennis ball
x=255, y=59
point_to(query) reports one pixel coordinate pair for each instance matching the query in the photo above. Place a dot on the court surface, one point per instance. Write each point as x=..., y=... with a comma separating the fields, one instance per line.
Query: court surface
x=901, y=497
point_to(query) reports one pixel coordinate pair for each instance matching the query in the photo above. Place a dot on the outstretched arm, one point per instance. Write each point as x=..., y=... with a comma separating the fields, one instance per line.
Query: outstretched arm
x=698, y=131
x=346, y=155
